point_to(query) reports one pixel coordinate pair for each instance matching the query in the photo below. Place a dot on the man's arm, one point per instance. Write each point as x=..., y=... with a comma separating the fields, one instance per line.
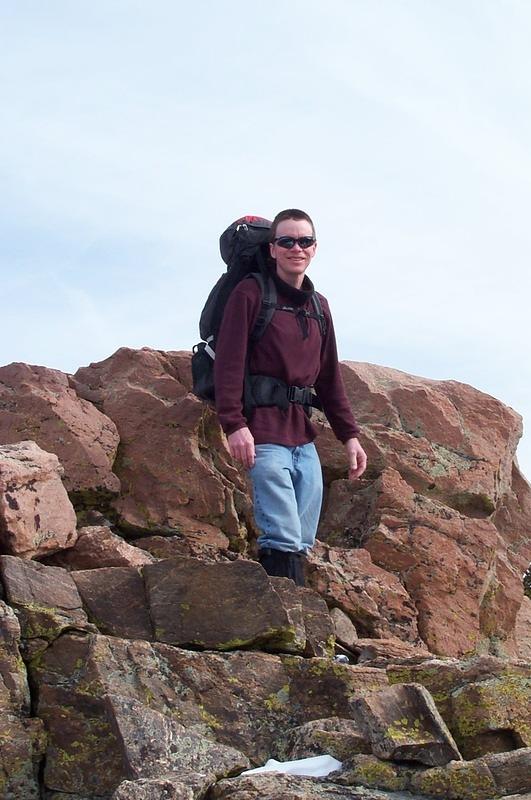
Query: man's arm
x=239, y=318
x=331, y=391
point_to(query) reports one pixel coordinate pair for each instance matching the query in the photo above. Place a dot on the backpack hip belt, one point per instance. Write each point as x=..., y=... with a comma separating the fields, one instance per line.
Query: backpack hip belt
x=265, y=390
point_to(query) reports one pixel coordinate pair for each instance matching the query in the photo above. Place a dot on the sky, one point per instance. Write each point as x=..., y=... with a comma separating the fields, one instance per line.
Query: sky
x=134, y=132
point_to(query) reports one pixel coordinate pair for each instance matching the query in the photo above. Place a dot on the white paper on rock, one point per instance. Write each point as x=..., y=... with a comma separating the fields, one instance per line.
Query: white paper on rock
x=315, y=767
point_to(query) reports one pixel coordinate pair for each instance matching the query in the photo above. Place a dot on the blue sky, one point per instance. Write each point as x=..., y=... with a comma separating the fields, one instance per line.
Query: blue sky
x=134, y=132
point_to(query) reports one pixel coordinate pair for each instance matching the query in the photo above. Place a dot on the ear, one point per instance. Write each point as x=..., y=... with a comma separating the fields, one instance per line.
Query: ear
x=272, y=249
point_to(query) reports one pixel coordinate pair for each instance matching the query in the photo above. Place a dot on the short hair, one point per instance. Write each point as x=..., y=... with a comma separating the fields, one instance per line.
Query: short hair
x=290, y=213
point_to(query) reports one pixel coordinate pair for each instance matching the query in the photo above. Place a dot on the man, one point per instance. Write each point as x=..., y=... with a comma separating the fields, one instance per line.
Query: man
x=276, y=444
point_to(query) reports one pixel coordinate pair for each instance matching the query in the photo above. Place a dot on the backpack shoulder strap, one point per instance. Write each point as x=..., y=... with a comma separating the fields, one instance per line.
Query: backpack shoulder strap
x=268, y=307
x=318, y=308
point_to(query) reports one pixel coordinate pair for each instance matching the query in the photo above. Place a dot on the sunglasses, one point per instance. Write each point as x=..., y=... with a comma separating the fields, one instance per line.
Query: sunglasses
x=287, y=242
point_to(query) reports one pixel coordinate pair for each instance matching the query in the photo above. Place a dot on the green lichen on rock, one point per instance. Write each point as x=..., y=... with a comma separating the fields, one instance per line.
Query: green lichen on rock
x=40, y=622
x=209, y=719
x=330, y=645
x=271, y=639
x=498, y=703
x=86, y=500
x=376, y=774
x=319, y=667
x=402, y=731
x=277, y=700
x=470, y=780
x=94, y=749
x=439, y=683
x=472, y=503
x=22, y=744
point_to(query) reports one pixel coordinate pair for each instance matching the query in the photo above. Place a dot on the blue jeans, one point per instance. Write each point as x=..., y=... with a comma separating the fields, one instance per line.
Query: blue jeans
x=288, y=491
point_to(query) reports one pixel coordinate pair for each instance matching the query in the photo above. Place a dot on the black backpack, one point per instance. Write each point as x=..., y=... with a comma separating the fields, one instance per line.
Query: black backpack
x=244, y=247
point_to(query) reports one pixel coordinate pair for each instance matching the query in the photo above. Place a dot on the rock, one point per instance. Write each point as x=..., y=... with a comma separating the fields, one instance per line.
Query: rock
x=115, y=600
x=291, y=598
x=501, y=704
x=318, y=625
x=525, y=796
x=22, y=738
x=512, y=516
x=275, y=786
x=246, y=700
x=380, y=652
x=200, y=604
x=511, y=771
x=474, y=729
x=20, y=756
x=344, y=629
x=340, y=738
x=14, y=690
x=437, y=483
x=36, y=516
x=162, y=788
x=374, y=599
x=175, y=470
x=374, y=773
x=465, y=780
x=447, y=439
x=468, y=598
x=402, y=723
x=46, y=599
x=97, y=546
x=153, y=744
x=37, y=403
x=481, y=779
x=83, y=755
x=206, y=543
x=66, y=796
x=522, y=631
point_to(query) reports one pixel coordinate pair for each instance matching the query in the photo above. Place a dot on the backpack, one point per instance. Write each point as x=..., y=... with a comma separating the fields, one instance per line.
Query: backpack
x=244, y=247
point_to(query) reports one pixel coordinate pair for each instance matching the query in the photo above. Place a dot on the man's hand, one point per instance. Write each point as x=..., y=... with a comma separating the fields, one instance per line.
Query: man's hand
x=357, y=458
x=241, y=446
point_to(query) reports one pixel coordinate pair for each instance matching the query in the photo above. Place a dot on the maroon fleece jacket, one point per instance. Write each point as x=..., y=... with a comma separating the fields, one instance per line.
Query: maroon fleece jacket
x=290, y=350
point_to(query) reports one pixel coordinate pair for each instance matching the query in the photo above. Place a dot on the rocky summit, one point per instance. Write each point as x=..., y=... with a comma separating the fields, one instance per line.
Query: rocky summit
x=146, y=655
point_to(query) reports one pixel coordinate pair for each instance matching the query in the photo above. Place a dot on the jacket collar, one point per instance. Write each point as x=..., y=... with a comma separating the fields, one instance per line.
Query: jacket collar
x=296, y=296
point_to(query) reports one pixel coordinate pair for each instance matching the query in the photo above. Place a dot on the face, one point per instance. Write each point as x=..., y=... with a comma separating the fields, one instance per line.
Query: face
x=292, y=264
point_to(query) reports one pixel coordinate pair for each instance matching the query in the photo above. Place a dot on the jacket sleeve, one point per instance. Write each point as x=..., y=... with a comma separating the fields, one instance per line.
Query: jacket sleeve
x=239, y=317
x=330, y=387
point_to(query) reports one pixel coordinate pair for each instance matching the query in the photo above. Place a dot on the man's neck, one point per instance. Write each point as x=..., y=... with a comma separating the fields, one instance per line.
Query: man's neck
x=292, y=280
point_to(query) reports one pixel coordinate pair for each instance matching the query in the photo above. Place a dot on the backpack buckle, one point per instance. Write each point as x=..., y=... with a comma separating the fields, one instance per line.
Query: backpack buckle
x=301, y=395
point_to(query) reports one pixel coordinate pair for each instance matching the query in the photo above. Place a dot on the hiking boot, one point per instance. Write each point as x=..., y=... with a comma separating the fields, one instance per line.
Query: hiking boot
x=281, y=564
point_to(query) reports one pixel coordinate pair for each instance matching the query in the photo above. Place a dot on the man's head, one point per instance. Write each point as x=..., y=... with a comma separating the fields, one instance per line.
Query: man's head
x=293, y=244
x=290, y=213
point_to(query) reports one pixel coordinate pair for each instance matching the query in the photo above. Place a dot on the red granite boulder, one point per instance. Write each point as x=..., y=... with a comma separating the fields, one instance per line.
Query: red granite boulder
x=457, y=572
x=175, y=470
x=97, y=546
x=36, y=516
x=449, y=511
x=38, y=403
x=244, y=700
x=21, y=736
x=373, y=598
